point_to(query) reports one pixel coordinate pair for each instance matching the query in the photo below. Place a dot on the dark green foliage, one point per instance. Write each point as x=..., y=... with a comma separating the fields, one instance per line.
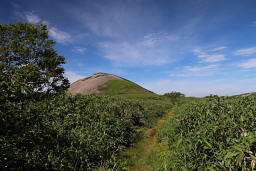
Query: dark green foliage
x=174, y=94
x=213, y=134
x=71, y=133
x=29, y=66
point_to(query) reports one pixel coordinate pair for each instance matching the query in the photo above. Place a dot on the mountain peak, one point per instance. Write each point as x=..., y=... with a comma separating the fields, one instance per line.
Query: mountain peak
x=108, y=84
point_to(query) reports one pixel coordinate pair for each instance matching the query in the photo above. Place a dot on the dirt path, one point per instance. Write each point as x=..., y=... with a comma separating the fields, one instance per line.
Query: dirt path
x=150, y=145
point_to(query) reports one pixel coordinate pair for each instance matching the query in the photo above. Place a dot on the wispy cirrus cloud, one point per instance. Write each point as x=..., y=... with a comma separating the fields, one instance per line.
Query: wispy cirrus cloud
x=208, y=64
x=113, y=19
x=246, y=51
x=152, y=50
x=126, y=37
x=200, y=69
x=80, y=49
x=218, y=48
x=210, y=56
x=133, y=54
x=31, y=18
x=196, y=71
x=251, y=63
x=152, y=39
x=57, y=34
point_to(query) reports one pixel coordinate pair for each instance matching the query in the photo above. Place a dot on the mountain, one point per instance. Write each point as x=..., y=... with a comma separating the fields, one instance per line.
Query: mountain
x=108, y=84
x=246, y=94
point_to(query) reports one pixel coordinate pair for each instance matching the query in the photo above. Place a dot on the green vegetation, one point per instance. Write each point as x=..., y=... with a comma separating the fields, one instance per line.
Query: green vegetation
x=29, y=66
x=42, y=128
x=125, y=127
x=148, y=153
x=214, y=133
x=174, y=94
x=78, y=133
x=123, y=87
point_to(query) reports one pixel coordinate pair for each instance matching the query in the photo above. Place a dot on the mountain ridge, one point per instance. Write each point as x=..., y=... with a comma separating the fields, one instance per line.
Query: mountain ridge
x=107, y=84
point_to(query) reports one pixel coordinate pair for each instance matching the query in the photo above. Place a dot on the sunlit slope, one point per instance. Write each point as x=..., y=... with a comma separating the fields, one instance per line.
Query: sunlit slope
x=124, y=88
x=108, y=84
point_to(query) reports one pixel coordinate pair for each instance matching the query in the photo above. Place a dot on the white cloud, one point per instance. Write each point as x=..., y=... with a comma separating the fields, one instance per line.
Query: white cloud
x=107, y=19
x=59, y=36
x=56, y=34
x=31, y=18
x=152, y=39
x=111, y=19
x=202, y=55
x=246, y=51
x=134, y=54
x=218, y=48
x=214, y=58
x=209, y=57
x=249, y=64
x=196, y=71
x=192, y=74
x=97, y=25
x=72, y=76
x=80, y=49
x=154, y=49
x=119, y=27
x=200, y=69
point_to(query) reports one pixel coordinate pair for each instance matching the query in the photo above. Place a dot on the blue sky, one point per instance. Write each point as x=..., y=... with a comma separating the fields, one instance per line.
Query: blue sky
x=198, y=47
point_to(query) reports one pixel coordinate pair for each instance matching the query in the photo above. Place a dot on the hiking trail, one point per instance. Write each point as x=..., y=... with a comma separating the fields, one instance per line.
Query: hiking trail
x=148, y=149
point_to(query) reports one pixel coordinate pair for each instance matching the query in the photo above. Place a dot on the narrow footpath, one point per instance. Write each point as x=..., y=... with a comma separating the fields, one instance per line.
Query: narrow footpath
x=149, y=152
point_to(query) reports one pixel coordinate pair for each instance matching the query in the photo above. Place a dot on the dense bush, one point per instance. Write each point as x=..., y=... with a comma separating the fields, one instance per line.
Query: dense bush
x=213, y=134
x=174, y=94
x=64, y=132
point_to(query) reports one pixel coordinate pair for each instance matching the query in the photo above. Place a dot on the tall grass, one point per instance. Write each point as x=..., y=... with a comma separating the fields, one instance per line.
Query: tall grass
x=214, y=133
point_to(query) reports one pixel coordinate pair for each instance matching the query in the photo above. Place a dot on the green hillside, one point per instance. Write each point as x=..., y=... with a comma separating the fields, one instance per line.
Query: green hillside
x=109, y=84
x=125, y=88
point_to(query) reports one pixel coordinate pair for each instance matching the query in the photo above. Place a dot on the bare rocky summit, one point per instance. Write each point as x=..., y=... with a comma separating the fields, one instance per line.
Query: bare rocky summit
x=90, y=84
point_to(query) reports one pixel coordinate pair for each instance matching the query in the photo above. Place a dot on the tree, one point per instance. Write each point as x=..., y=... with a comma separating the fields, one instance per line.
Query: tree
x=29, y=65
x=174, y=94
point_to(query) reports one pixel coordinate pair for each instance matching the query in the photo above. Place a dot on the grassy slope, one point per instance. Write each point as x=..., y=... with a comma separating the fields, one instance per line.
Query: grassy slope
x=126, y=89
